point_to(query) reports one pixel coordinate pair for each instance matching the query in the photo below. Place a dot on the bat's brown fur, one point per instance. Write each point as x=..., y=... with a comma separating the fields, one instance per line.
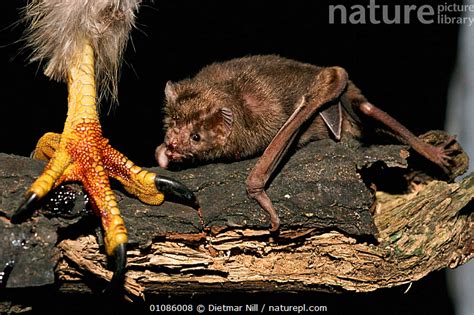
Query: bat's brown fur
x=261, y=105
x=261, y=92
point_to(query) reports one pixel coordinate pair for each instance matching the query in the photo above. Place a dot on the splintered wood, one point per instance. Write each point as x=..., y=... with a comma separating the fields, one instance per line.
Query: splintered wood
x=336, y=233
x=410, y=244
x=84, y=253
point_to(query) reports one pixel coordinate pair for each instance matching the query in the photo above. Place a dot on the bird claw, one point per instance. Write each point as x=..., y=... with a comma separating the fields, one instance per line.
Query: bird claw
x=24, y=210
x=176, y=191
x=82, y=154
x=120, y=261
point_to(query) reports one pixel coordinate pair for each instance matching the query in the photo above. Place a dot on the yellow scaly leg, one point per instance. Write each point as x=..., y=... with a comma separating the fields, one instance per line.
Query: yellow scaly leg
x=82, y=154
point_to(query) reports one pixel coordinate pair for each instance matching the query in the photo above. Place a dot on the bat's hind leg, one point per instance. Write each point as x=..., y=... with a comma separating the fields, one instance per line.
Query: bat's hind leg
x=436, y=154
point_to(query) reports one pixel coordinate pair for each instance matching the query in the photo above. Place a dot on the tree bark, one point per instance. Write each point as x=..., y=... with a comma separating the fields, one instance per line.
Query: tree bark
x=337, y=233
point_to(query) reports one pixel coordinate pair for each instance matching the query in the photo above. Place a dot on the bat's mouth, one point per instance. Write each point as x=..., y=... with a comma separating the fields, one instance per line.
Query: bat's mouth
x=174, y=156
x=163, y=155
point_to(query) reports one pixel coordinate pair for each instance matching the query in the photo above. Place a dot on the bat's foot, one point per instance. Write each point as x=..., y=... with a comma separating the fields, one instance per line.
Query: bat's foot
x=439, y=154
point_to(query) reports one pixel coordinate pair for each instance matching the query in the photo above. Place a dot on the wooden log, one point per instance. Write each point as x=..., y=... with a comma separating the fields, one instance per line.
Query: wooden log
x=329, y=240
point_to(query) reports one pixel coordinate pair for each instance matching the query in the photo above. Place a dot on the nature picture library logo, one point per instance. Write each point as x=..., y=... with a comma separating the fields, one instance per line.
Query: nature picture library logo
x=373, y=12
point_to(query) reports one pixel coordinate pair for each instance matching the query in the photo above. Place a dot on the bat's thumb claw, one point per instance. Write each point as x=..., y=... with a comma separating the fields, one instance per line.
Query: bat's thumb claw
x=275, y=228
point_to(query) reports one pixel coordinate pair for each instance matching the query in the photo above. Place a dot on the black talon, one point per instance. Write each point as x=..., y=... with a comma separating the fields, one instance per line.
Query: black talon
x=177, y=191
x=120, y=259
x=25, y=209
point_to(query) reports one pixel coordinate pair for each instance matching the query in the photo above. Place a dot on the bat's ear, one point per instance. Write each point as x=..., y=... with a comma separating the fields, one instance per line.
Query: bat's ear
x=228, y=118
x=170, y=91
x=332, y=116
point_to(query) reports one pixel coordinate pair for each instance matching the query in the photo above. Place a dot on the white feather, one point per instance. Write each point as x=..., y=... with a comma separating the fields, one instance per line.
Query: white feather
x=58, y=27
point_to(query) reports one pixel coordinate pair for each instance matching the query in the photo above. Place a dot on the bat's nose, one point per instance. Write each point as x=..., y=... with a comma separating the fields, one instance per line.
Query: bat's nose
x=172, y=145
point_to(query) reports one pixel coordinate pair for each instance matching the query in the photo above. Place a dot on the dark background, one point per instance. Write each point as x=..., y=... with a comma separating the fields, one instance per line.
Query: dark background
x=404, y=69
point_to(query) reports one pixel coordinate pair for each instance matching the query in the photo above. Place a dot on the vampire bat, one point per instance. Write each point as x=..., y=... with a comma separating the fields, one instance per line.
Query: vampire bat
x=261, y=105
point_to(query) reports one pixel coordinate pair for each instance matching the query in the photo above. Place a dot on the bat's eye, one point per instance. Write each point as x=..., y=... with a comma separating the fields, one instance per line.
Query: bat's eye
x=195, y=137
